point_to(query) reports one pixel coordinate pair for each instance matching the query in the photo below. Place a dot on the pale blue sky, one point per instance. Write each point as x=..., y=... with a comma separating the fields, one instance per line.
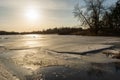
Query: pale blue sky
x=54, y=13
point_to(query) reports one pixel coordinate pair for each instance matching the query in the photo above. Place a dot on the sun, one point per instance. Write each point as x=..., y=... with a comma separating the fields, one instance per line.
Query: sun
x=32, y=14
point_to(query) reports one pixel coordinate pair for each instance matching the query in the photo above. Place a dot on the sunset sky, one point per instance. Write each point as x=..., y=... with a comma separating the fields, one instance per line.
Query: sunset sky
x=29, y=15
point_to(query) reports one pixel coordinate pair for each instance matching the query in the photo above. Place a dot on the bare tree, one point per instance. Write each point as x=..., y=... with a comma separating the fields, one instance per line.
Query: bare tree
x=90, y=14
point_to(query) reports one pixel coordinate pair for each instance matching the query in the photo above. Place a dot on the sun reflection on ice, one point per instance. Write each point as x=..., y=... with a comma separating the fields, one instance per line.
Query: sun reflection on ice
x=33, y=41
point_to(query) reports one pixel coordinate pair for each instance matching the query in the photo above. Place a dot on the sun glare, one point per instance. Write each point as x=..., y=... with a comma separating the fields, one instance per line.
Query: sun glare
x=32, y=14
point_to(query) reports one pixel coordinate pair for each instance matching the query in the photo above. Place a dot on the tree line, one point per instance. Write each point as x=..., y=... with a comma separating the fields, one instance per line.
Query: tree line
x=98, y=18
x=60, y=31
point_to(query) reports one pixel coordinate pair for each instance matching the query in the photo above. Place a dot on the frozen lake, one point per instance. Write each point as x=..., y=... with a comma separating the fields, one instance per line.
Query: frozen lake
x=54, y=42
x=59, y=57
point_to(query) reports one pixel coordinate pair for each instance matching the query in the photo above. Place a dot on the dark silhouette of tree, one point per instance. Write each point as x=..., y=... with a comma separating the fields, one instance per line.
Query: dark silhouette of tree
x=107, y=20
x=116, y=16
x=111, y=19
x=91, y=14
x=8, y=33
x=62, y=31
